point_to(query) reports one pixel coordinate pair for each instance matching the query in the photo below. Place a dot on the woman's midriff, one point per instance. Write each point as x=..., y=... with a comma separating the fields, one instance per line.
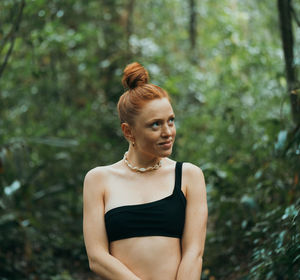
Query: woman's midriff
x=151, y=257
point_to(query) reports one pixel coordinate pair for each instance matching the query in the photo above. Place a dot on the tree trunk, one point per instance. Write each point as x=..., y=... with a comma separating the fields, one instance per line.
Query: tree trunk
x=129, y=26
x=193, y=24
x=285, y=19
x=12, y=38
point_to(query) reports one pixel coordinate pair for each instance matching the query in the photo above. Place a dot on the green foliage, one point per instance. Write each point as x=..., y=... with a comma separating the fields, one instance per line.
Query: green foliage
x=58, y=119
x=277, y=251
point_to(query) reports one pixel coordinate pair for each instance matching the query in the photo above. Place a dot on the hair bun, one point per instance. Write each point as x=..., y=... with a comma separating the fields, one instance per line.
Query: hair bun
x=134, y=75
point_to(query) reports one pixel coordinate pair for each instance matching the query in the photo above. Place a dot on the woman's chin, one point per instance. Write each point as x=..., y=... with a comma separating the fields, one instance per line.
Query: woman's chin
x=166, y=153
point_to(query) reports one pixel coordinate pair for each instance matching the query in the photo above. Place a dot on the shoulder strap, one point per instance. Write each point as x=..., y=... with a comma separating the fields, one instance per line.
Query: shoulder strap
x=178, y=175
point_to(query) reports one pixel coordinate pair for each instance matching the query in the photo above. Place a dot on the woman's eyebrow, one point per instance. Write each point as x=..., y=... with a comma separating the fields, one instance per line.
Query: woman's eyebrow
x=154, y=120
x=160, y=119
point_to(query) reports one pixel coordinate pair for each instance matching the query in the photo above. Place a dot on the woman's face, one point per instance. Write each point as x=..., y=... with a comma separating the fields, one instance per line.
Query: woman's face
x=154, y=130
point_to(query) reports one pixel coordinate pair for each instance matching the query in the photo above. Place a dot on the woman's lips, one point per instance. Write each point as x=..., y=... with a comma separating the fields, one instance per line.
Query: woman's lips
x=166, y=145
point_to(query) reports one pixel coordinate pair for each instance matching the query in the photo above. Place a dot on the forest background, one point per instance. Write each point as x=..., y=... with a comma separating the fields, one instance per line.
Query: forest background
x=231, y=69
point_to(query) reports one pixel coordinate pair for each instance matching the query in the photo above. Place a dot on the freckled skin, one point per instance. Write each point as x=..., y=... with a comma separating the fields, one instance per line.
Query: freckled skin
x=108, y=187
x=149, y=257
x=153, y=127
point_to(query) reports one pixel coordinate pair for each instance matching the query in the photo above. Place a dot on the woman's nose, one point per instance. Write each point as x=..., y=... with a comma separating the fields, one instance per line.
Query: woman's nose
x=166, y=130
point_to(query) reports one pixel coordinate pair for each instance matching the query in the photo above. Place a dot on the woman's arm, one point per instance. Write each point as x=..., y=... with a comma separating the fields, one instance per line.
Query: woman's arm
x=96, y=243
x=194, y=234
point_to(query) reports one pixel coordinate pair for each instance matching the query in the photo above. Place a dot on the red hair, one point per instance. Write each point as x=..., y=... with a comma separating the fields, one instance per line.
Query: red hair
x=139, y=91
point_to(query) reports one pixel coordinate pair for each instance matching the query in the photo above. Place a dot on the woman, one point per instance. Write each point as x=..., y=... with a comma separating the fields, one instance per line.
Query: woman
x=145, y=215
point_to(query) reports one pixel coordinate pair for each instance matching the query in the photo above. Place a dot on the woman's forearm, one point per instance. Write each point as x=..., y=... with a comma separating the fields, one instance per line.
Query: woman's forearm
x=190, y=268
x=111, y=268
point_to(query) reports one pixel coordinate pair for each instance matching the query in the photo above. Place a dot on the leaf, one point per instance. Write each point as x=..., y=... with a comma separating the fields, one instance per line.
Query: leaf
x=248, y=201
x=9, y=190
x=7, y=218
x=281, y=139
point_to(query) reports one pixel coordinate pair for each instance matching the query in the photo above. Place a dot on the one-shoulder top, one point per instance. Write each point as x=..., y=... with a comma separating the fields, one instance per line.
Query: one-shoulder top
x=163, y=217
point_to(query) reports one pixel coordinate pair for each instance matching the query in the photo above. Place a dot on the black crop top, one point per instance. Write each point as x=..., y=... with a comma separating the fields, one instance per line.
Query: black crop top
x=164, y=217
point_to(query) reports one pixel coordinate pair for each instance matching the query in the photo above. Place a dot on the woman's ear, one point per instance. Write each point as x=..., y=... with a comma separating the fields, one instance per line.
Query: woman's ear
x=127, y=131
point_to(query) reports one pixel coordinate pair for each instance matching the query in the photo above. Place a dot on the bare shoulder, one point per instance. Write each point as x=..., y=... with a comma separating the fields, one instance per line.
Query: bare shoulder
x=96, y=178
x=193, y=178
x=96, y=172
x=192, y=170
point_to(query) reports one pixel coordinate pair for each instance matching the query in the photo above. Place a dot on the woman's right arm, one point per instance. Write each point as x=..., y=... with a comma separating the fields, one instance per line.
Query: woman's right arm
x=96, y=243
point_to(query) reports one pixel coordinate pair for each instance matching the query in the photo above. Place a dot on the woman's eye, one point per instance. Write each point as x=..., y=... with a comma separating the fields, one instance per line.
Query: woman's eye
x=171, y=121
x=156, y=124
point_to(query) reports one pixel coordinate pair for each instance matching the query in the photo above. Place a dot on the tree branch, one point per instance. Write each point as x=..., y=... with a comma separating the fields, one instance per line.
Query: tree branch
x=13, y=37
x=193, y=24
x=129, y=25
x=294, y=136
x=8, y=35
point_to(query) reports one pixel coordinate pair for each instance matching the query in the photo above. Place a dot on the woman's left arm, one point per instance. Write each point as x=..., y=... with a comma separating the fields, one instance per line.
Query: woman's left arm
x=194, y=233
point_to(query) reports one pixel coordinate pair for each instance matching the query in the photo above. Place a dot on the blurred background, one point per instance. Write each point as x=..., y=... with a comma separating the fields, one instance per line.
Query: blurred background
x=232, y=70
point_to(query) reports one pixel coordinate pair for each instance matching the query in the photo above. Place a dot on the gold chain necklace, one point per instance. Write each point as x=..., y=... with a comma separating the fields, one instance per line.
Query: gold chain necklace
x=142, y=169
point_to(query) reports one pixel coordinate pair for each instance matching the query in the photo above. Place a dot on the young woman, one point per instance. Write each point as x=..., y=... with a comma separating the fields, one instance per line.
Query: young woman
x=144, y=217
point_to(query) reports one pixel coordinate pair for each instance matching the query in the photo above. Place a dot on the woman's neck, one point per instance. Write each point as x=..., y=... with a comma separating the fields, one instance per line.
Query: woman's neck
x=139, y=159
